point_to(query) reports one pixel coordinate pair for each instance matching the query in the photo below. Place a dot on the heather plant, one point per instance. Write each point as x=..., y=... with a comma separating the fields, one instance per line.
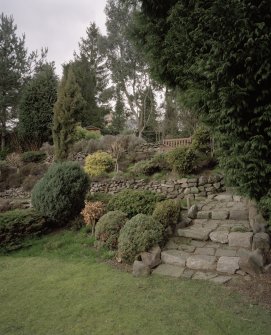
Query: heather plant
x=92, y=213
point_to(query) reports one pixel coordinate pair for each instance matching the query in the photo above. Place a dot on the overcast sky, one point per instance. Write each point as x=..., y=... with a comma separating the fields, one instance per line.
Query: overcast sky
x=56, y=24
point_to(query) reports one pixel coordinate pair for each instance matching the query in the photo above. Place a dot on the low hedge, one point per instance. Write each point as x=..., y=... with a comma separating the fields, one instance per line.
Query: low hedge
x=33, y=156
x=17, y=225
x=133, y=202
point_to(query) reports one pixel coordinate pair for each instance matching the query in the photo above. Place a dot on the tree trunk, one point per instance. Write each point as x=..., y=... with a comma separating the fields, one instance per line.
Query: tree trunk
x=3, y=139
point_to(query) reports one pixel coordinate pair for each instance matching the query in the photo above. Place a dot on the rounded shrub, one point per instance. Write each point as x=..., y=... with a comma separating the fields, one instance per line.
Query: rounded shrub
x=167, y=213
x=201, y=140
x=133, y=202
x=99, y=163
x=138, y=235
x=108, y=228
x=60, y=194
x=33, y=156
x=182, y=160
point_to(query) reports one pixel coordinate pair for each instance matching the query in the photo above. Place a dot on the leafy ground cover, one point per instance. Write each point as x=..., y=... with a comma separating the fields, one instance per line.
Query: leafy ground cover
x=61, y=285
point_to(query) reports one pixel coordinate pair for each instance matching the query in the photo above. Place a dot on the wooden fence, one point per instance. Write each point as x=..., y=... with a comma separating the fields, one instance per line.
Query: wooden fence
x=177, y=142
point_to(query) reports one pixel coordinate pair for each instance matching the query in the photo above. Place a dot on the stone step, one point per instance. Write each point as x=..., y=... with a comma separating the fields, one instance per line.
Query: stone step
x=223, y=214
x=175, y=271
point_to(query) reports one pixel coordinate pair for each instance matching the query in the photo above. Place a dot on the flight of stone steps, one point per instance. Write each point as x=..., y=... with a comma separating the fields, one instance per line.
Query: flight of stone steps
x=213, y=243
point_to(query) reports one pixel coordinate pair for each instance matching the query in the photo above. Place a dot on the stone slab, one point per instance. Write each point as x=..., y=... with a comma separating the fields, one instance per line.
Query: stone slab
x=224, y=197
x=220, y=215
x=226, y=252
x=221, y=279
x=204, y=215
x=201, y=262
x=174, y=257
x=205, y=251
x=228, y=264
x=239, y=214
x=204, y=275
x=220, y=236
x=195, y=232
x=169, y=270
x=242, y=240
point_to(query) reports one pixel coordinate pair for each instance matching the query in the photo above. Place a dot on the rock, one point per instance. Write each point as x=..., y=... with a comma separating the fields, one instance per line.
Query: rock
x=169, y=270
x=4, y=205
x=174, y=257
x=238, y=214
x=226, y=252
x=217, y=186
x=204, y=275
x=194, y=190
x=186, y=248
x=221, y=279
x=228, y=264
x=140, y=269
x=261, y=241
x=201, y=262
x=187, y=274
x=258, y=223
x=219, y=236
x=152, y=258
x=252, y=263
x=192, y=212
x=203, y=180
x=195, y=232
x=242, y=240
x=184, y=223
x=205, y=251
x=220, y=215
x=203, y=215
x=267, y=269
x=224, y=197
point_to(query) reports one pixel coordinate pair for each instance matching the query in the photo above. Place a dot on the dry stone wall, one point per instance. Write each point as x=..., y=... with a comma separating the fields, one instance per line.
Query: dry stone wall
x=191, y=188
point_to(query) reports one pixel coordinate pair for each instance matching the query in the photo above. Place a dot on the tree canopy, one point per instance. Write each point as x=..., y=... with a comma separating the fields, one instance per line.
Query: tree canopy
x=218, y=53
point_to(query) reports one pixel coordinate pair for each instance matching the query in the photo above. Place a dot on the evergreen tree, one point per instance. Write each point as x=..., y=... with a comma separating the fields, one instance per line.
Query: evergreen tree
x=36, y=106
x=219, y=54
x=119, y=118
x=13, y=65
x=171, y=114
x=92, y=76
x=67, y=112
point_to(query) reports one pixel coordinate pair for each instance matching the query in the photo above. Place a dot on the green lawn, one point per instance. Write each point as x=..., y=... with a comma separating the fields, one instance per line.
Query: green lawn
x=57, y=286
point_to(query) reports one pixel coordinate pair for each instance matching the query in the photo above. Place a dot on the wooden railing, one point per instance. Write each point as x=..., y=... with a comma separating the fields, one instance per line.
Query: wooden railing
x=177, y=142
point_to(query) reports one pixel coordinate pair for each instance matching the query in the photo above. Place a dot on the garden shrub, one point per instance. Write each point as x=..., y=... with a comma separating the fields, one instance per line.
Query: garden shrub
x=182, y=160
x=99, y=196
x=85, y=146
x=84, y=134
x=133, y=202
x=33, y=156
x=138, y=235
x=108, y=228
x=92, y=213
x=60, y=194
x=147, y=167
x=14, y=160
x=265, y=206
x=17, y=225
x=99, y=163
x=29, y=182
x=201, y=140
x=167, y=213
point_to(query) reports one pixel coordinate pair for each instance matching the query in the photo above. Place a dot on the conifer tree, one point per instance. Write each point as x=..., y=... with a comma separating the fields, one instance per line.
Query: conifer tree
x=36, y=106
x=118, y=120
x=67, y=111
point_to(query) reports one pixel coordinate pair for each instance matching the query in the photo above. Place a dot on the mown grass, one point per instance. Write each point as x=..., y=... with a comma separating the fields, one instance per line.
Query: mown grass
x=59, y=285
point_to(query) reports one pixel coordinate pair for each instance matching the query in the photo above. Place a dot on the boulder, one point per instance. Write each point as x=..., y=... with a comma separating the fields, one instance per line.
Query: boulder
x=252, y=262
x=151, y=258
x=140, y=269
x=192, y=212
x=261, y=241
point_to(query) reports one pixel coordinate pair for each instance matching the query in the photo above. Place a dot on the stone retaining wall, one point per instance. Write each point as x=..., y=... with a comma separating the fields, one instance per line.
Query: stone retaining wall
x=191, y=188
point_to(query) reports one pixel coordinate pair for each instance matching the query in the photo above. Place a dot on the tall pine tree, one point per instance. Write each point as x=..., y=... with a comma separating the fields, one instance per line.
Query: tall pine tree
x=67, y=112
